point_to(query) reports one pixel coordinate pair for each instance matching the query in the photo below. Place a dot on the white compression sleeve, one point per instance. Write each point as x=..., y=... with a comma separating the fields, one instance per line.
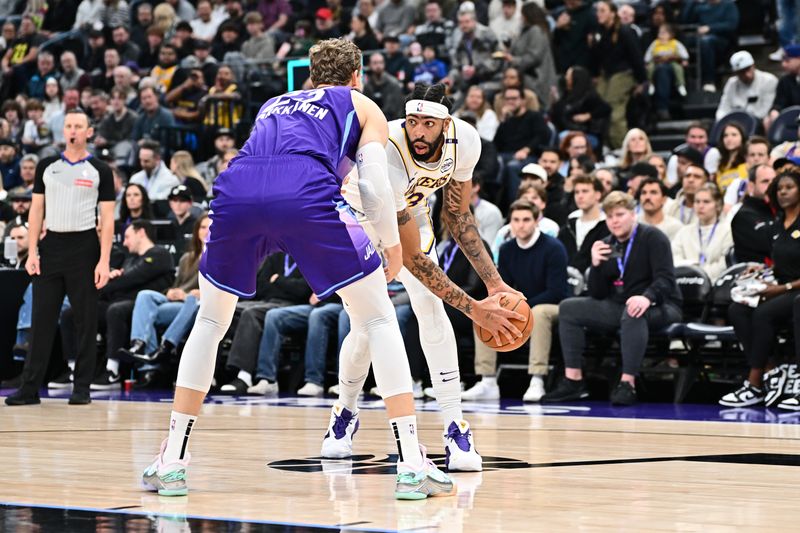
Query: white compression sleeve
x=377, y=198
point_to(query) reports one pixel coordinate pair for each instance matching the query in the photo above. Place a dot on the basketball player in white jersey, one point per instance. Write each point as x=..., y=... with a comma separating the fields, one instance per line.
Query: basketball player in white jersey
x=427, y=150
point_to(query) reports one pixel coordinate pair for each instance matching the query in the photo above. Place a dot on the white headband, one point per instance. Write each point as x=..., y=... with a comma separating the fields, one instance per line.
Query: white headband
x=424, y=107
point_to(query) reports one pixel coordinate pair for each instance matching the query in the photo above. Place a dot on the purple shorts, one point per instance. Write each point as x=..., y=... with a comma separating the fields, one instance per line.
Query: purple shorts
x=283, y=203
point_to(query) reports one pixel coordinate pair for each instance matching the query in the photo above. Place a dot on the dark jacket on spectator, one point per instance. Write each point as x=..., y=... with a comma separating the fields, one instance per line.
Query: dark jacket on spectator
x=115, y=131
x=649, y=271
x=388, y=95
x=787, y=93
x=753, y=228
x=556, y=208
x=583, y=98
x=624, y=55
x=571, y=45
x=292, y=288
x=146, y=125
x=581, y=258
x=722, y=18
x=528, y=129
x=154, y=271
x=539, y=272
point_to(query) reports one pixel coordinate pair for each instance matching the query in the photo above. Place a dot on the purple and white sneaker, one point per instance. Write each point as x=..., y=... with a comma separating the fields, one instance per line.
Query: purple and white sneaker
x=459, y=450
x=338, y=441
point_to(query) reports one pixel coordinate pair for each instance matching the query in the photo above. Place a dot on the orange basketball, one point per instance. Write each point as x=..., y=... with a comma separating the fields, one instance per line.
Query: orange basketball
x=518, y=305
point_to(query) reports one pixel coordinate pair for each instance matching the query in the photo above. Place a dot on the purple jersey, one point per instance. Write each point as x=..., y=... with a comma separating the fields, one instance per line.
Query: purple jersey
x=320, y=123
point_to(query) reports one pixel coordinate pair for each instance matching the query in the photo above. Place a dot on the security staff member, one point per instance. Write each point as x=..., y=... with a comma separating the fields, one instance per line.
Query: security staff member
x=70, y=259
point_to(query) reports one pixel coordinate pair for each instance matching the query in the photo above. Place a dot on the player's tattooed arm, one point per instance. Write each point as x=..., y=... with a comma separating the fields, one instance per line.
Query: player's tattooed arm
x=462, y=226
x=425, y=270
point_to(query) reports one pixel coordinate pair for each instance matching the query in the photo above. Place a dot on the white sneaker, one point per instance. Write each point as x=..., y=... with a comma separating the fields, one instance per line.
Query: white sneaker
x=482, y=391
x=375, y=392
x=745, y=396
x=682, y=90
x=709, y=88
x=459, y=450
x=338, y=441
x=311, y=389
x=418, y=392
x=263, y=387
x=777, y=55
x=428, y=392
x=535, y=390
x=334, y=390
x=651, y=89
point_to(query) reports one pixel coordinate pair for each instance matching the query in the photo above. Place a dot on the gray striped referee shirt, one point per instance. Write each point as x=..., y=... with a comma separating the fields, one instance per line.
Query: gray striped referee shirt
x=72, y=191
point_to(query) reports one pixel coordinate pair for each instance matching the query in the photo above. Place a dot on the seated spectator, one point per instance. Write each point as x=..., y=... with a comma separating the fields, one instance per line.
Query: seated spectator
x=124, y=81
x=617, y=60
x=128, y=50
x=718, y=21
x=661, y=165
x=530, y=52
x=666, y=58
x=362, y=34
x=733, y=156
x=180, y=214
x=574, y=144
x=221, y=107
x=636, y=148
x=706, y=242
x=487, y=165
x=436, y=30
x=19, y=234
x=36, y=134
x=115, y=129
x=512, y=78
x=571, y=35
x=536, y=193
x=9, y=164
x=165, y=70
x=581, y=166
x=637, y=173
x=185, y=98
x=104, y=78
x=20, y=57
x=135, y=205
x=683, y=206
x=45, y=69
x=279, y=284
x=154, y=176
x=652, y=200
x=397, y=63
x=98, y=105
x=148, y=57
x=580, y=108
x=608, y=178
x=431, y=70
x=506, y=24
x=182, y=166
x=476, y=103
x=52, y=100
x=487, y=215
x=383, y=88
x=697, y=139
x=787, y=93
x=260, y=46
x=757, y=154
x=536, y=265
x=223, y=141
x=72, y=76
x=472, y=60
x=151, y=117
x=633, y=294
x=749, y=89
x=175, y=310
x=518, y=138
x=147, y=267
x=550, y=161
x=396, y=17
x=205, y=25
x=584, y=226
x=752, y=226
x=27, y=173
x=756, y=328
x=325, y=25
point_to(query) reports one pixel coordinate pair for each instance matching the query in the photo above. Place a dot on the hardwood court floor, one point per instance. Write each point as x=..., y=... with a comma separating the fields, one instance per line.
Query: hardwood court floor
x=544, y=473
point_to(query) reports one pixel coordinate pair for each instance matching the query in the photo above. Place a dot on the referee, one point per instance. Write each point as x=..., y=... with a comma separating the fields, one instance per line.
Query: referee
x=69, y=259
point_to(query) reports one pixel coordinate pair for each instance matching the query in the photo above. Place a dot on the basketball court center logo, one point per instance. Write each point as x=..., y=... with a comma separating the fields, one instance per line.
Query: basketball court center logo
x=377, y=465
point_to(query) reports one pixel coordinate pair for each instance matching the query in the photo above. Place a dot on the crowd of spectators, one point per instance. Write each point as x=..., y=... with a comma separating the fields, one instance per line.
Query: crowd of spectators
x=559, y=92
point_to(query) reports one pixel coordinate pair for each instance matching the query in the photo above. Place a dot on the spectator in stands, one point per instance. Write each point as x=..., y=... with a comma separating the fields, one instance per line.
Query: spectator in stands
x=574, y=25
x=476, y=103
x=472, y=58
x=530, y=53
x=140, y=23
x=13, y=113
x=706, y=242
x=636, y=175
x=279, y=284
x=636, y=148
x=513, y=78
x=697, y=139
x=585, y=225
x=152, y=116
x=507, y=24
x=756, y=328
x=183, y=9
x=20, y=200
x=487, y=165
x=223, y=141
x=627, y=16
x=666, y=58
x=147, y=267
x=532, y=191
x=115, y=129
x=661, y=165
x=752, y=226
x=431, y=70
x=52, y=100
x=436, y=30
x=155, y=177
x=683, y=206
x=72, y=76
x=19, y=234
x=617, y=60
x=115, y=13
x=92, y=61
x=275, y=15
x=383, y=88
x=632, y=290
x=787, y=93
x=98, y=105
x=608, y=178
x=204, y=25
x=367, y=8
x=185, y=98
x=325, y=25
x=182, y=165
x=148, y=57
x=718, y=22
x=27, y=173
x=395, y=18
x=164, y=18
x=260, y=46
x=221, y=107
x=45, y=69
x=397, y=64
x=104, y=79
x=580, y=108
x=536, y=265
x=9, y=164
x=518, y=138
x=574, y=144
x=36, y=134
x=757, y=154
x=487, y=215
x=21, y=53
x=362, y=34
x=653, y=196
x=202, y=59
x=165, y=70
x=58, y=17
x=749, y=89
x=135, y=206
x=733, y=155
x=124, y=81
x=550, y=161
x=128, y=50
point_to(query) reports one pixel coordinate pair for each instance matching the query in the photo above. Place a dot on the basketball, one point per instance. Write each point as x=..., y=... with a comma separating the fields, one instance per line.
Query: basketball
x=518, y=305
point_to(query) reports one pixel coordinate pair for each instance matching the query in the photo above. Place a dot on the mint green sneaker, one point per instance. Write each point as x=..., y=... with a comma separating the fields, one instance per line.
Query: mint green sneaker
x=427, y=482
x=168, y=480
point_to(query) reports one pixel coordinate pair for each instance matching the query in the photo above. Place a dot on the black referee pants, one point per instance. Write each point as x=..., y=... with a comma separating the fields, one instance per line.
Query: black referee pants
x=67, y=262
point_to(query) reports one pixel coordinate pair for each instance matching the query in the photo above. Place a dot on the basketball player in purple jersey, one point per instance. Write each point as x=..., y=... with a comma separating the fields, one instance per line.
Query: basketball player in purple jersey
x=283, y=192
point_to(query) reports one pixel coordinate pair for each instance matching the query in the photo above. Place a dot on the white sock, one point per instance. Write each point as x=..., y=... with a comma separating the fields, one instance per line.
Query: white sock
x=489, y=380
x=112, y=365
x=405, y=434
x=180, y=427
x=447, y=386
x=71, y=365
x=245, y=376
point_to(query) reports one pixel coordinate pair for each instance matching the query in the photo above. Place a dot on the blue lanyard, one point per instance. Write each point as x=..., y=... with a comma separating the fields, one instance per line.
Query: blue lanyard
x=683, y=207
x=622, y=263
x=450, y=256
x=707, y=243
x=287, y=270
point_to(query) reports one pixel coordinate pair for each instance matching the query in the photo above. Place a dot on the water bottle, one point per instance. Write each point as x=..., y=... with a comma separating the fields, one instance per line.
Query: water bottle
x=10, y=251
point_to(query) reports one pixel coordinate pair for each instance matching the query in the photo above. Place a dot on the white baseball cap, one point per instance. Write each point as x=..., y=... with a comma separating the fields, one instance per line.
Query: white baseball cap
x=536, y=170
x=741, y=60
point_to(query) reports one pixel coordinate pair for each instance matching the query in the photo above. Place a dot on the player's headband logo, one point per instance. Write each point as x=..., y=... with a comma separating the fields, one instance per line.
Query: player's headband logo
x=424, y=107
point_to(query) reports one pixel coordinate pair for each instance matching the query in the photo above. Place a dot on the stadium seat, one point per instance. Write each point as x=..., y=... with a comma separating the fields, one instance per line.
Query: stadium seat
x=784, y=128
x=747, y=121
